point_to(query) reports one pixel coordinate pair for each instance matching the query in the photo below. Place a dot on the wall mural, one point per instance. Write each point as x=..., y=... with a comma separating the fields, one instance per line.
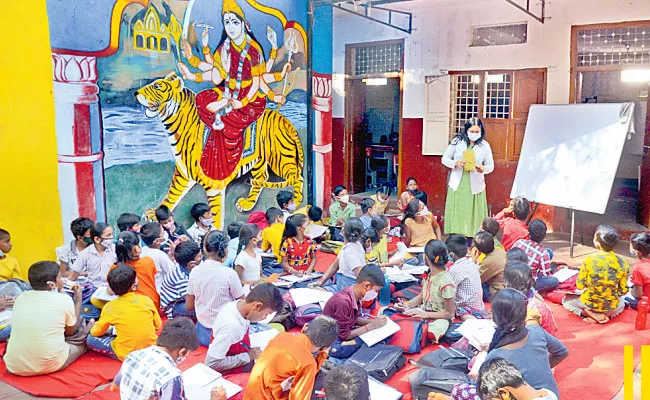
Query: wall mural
x=200, y=100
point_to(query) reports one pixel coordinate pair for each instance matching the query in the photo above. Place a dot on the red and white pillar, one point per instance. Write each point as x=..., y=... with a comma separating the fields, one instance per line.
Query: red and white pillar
x=79, y=139
x=322, y=104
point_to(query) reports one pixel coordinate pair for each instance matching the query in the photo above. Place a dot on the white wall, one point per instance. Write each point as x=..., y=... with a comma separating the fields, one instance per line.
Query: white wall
x=442, y=35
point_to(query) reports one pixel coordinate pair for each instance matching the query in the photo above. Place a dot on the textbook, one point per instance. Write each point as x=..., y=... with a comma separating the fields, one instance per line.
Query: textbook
x=199, y=380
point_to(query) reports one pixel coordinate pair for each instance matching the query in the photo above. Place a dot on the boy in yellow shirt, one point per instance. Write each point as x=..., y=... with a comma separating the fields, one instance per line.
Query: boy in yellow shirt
x=134, y=317
x=272, y=240
x=9, y=268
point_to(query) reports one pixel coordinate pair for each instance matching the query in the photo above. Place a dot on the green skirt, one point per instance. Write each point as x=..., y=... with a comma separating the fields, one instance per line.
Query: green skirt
x=464, y=211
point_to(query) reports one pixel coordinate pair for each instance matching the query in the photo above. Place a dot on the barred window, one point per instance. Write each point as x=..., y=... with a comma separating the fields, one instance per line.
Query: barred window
x=378, y=58
x=498, y=91
x=465, y=97
x=614, y=46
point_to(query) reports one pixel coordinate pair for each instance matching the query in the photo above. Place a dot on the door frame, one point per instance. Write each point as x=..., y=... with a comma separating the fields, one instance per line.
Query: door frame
x=348, y=140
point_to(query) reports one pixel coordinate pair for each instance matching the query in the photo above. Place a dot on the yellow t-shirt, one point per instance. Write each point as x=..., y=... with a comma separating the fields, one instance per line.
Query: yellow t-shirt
x=9, y=269
x=379, y=206
x=421, y=233
x=136, y=321
x=272, y=239
x=37, y=345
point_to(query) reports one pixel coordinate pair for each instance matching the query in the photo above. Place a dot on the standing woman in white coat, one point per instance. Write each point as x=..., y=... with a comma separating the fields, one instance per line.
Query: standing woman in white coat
x=469, y=157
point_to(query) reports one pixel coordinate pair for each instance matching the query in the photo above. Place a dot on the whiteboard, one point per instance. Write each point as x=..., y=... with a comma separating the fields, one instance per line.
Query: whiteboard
x=571, y=153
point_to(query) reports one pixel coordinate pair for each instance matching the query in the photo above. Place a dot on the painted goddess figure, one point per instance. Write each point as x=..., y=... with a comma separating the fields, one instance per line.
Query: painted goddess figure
x=238, y=69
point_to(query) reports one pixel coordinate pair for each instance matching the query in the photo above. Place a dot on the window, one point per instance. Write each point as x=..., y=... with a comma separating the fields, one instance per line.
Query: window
x=377, y=58
x=498, y=91
x=602, y=46
x=499, y=35
x=465, y=99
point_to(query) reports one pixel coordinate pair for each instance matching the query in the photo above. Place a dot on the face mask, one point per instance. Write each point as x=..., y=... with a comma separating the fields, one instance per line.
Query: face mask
x=413, y=191
x=292, y=207
x=424, y=212
x=370, y=295
x=2, y=253
x=632, y=252
x=344, y=199
x=474, y=136
x=88, y=240
x=207, y=222
x=381, y=199
x=108, y=243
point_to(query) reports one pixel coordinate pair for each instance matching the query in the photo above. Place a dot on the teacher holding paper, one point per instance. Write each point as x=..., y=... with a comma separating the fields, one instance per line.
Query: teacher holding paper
x=469, y=157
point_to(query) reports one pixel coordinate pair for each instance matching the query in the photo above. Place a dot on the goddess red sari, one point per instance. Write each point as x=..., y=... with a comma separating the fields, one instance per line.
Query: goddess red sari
x=224, y=147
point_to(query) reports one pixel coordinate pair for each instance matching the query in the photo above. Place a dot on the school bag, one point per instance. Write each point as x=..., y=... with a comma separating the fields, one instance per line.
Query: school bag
x=380, y=361
x=447, y=359
x=305, y=314
x=407, y=293
x=285, y=317
x=436, y=380
x=331, y=246
x=412, y=335
x=451, y=336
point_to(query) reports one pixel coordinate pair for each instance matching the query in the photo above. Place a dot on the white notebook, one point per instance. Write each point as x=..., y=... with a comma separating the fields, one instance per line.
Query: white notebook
x=381, y=391
x=199, y=380
x=565, y=274
x=377, y=335
x=302, y=296
x=262, y=339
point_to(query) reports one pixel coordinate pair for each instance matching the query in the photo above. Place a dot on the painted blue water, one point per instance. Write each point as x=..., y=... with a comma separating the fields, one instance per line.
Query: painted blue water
x=130, y=137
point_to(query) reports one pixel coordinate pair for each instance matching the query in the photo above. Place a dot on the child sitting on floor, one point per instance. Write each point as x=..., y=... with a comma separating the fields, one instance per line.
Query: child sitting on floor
x=350, y=260
x=347, y=382
x=539, y=258
x=381, y=197
x=517, y=254
x=212, y=285
x=382, y=225
x=419, y=225
x=491, y=226
x=66, y=255
x=42, y=319
x=129, y=252
x=233, y=243
x=370, y=240
x=603, y=277
x=230, y=351
x=153, y=237
x=9, y=267
x=493, y=262
x=499, y=379
x=152, y=373
x=272, y=238
x=203, y=219
x=640, y=248
x=345, y=308
x=97, y=259
x=174, y=287
x=248, y=263
x=368, y=211
x=435, y=303
x=512, y=221
x=298, y=251
x=129, y=222
x=469, y=292
x=134, y=317
x=286, y=203
x=175, y=231
x=519, y=276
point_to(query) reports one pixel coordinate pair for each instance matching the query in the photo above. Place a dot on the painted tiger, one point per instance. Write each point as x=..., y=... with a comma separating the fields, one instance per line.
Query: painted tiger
x=270, y=144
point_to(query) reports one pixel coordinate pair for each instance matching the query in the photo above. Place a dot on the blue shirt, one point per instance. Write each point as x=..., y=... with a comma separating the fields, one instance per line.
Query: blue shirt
x=232, y=252
x=173, y=289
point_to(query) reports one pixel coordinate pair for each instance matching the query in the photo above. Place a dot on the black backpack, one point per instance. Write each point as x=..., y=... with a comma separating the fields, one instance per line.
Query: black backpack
x=447, y=359
x=380, y=361
x=436, y=380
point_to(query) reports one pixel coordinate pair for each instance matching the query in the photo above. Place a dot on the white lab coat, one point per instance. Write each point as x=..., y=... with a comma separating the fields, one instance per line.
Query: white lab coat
x=483, y=154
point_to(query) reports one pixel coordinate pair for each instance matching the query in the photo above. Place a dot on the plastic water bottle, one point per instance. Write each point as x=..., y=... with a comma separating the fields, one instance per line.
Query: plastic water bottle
x=384, y=293
x=642, y=314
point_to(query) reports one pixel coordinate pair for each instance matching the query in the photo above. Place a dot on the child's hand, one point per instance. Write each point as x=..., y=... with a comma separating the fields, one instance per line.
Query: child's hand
x=480, y=168
x=6, y=302
x=416, y=312
x=78, y=293
x=218, y=393
x=378, y=322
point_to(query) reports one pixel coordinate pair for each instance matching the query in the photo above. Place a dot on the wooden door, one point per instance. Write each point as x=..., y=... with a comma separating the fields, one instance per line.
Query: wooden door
x=355, y=158
x=529, y=88
x=644, y=193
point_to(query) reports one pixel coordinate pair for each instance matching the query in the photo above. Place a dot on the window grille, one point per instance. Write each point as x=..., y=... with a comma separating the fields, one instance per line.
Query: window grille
x=378, y=59
x=465, y=96
x=498, y=91
x=614, y=46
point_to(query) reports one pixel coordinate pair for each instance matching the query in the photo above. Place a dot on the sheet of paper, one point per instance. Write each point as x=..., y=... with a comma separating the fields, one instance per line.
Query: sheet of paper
x=302, y=296
x=479, y=332
x=5, y=317
x=283, y=284
x=268, y=319
x=315, y=231
x=200, y=375
x=382, y=391
x=377, y=335
x=197, y=392
x=102, y=294
x=415, y=250
x=393, y=271
x=564, y=274
x=262, y=339
x=295, y=278
x=415, y=270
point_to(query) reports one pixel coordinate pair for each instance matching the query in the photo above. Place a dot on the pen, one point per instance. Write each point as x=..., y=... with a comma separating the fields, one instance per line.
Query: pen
x=244, y=345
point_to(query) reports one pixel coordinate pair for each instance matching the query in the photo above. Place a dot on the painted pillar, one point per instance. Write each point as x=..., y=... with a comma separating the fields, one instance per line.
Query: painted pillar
x=79, y=138
x=322, y=104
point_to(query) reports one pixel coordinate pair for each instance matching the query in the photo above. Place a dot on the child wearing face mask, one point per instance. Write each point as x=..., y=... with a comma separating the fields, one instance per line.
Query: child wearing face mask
x=436, y=301
x=203, y=220
x=381, y=198
x=345, y=308
x=129, y=252
x=370, y=240
x=368, y=210
x=341, y=209
x=133, y=315
x=248, y=263
x=129, y=222
x=419, y=225
x=230, y=351
x=286, y=202
x=96, y=259
x=66, y=255
x=298, y=250
x=175, y=231
x=382, y=225
x=42, y=319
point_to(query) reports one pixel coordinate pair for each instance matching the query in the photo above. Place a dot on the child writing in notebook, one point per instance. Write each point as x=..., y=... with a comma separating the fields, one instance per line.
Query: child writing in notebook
x=298, y=250
x=174, y=287
x=129, y=252
x=248, y=263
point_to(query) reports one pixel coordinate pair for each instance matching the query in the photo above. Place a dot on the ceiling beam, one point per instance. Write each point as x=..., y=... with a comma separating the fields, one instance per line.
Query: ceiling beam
x=365, y=9
x=540, y=16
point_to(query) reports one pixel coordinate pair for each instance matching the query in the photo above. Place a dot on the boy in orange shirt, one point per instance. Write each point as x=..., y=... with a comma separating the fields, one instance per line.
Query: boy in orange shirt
x=129, y=252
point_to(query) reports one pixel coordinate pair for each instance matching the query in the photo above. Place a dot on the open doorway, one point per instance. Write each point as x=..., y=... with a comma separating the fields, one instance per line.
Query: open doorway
x=373, y=116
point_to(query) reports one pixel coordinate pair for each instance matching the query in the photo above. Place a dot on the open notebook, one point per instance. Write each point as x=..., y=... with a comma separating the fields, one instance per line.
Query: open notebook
x=199, y=380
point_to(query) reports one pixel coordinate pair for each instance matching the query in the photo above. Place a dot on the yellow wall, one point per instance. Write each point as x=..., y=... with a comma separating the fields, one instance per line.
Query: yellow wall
x=29, y=198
